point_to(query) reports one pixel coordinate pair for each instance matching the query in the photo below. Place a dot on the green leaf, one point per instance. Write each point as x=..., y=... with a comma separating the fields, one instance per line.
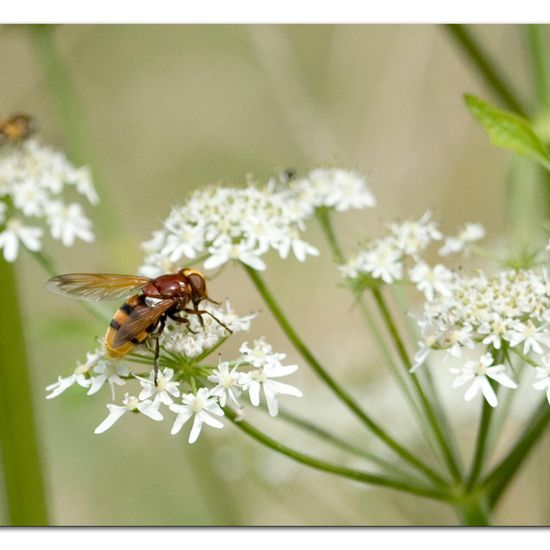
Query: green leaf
x=508, y=131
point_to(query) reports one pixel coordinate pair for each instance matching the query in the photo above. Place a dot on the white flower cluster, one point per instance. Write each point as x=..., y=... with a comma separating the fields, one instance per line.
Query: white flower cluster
x=225, y=223
x=332, y=188
x=507, y=311
x=463, y=312
x=186, y=386
x=33, y=180
x=386, y=259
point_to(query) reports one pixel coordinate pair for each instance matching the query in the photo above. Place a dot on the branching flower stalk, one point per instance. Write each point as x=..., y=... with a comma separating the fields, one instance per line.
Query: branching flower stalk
x=463, y=312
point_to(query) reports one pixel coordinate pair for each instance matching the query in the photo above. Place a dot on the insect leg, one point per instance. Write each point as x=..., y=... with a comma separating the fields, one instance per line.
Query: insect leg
x=157, y=354
x=158, y=332
x=200, y=312
x=184, y=320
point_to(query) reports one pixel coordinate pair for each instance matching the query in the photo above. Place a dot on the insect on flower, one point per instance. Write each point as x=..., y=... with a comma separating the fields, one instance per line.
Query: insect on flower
x=16, y=128
x=150, y=301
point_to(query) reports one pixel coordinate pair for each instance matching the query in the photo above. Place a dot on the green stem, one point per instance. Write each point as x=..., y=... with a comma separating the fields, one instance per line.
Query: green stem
x=539, y=68
x=533, y=36
x=424, y=375
x=323, y=215
x=389, y=361
x=447, y=452
x=486, y=68
x=356, y=475
x=71, y=118
x=300, y=346
x=342, y=444
x=481, y=442
x=504, y=406
x=473, y=510
x=20, y=448
x=499, y=478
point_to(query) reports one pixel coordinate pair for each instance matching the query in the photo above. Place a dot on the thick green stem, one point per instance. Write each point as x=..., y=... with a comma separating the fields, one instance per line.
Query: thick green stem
x=486, y=68
x=356, y=475
x=300, y=346
x=535, y=45
x=20, y=448
x=538, y=58
x=497, y=481
x=473, y=510
x=447, y=452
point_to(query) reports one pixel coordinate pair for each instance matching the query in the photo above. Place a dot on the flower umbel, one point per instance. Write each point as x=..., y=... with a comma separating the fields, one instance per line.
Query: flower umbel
x=185, y=384
x=35, y=184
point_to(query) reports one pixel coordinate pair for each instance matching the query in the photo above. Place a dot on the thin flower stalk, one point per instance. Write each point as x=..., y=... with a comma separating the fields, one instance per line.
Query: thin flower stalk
x=323, y=216
x=357, y=475
x=450, y=459
x=425, y=376
x=503, y=473
x=486, y=67
x=481, y=447
x=386, y=466
x=300, y=346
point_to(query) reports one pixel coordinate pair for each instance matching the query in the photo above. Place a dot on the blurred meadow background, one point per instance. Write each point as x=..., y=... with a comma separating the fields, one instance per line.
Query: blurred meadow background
x=167, y=109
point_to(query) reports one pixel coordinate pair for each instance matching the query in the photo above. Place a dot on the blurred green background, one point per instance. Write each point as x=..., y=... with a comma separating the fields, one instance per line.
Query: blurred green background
x=167, y=109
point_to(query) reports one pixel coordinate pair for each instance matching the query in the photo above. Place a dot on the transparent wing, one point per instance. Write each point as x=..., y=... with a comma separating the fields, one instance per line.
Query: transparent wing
x=96, y=286
x=139, y=320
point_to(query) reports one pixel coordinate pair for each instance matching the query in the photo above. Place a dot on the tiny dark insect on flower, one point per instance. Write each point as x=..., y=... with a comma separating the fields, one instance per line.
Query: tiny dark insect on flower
x=16, y=128
x=150, y=302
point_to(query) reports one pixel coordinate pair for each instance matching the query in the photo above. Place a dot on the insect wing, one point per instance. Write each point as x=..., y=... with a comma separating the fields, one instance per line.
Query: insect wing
x=96, y=286
x=141, y=319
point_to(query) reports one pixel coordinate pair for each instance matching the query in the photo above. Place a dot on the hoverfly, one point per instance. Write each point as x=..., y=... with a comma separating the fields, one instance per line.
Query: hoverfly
x=150, y=301
x=16, y=128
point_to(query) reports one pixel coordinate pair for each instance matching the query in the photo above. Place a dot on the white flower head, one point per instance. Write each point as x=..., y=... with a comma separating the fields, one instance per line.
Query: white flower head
x=110, y=372
x=68, y=223
x=130, y=404
x=431, y=281
x=14, y=233
x=201, y=406
x=229, y=224
x=412, y=237
x=161, y=392
x=80, y=375
x=332, y=188
x=530, y=335
x=267, y=367
x=477, y=373
x=228, y=383
x=471, y=233
x=33, y=180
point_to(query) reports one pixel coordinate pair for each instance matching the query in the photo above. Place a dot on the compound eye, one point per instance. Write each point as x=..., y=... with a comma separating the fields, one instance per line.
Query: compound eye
x=198, y=284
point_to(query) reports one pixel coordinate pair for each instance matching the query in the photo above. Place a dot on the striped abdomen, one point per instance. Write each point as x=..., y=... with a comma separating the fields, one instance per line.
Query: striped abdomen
x=129, y=311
